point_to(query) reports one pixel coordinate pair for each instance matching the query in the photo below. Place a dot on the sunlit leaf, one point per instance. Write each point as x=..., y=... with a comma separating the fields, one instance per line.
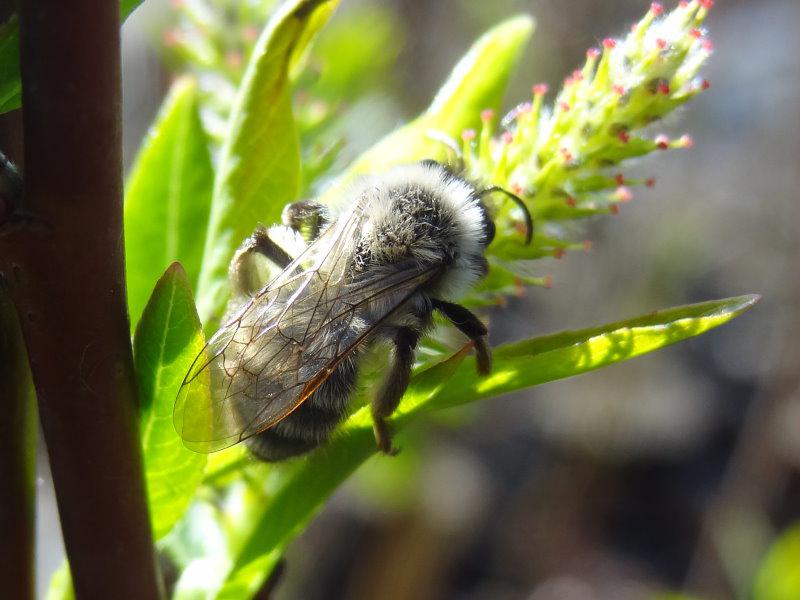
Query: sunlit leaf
x=167, y=340
x=168, y=197
x=304, y=485
x=477, y=82
x=778, y=576
x=60, y=587
x=259, y=168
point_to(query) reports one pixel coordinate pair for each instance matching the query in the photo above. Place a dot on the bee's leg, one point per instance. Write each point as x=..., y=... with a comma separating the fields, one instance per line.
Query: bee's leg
x=306, y=217
x=393, y=387
x=242, y=273
x=470, y=326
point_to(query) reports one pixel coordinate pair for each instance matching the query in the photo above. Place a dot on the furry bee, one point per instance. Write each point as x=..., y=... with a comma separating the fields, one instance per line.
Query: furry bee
x=283, y=366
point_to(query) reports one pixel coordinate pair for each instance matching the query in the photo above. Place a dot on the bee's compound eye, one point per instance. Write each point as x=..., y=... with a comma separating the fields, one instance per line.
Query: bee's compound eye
x=484, y=266
x=488, y=228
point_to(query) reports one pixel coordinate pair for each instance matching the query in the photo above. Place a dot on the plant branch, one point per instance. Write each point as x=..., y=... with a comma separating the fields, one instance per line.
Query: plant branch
x=66, y=274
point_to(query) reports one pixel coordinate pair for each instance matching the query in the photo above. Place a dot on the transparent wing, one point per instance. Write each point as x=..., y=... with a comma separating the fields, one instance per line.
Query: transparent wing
x=280, y=347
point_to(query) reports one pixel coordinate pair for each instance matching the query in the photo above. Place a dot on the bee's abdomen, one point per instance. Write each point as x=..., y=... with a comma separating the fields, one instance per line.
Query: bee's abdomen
x=312, y=422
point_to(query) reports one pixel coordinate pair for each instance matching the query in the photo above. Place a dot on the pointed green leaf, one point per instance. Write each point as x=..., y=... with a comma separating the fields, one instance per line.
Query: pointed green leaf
x=167, y=340
x=540, y=360
x=477, y=82
x=168, y=197
x=259, y=169
x=303, y=485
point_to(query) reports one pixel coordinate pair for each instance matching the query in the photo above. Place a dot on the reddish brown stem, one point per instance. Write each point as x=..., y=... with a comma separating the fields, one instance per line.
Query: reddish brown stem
x=63, y=259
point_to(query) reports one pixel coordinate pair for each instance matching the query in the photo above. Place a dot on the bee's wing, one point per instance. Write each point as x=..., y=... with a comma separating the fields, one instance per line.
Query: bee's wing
x=284, y=343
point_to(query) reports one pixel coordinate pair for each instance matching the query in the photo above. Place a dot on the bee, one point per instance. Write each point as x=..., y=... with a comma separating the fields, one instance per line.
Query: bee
x=285, y=363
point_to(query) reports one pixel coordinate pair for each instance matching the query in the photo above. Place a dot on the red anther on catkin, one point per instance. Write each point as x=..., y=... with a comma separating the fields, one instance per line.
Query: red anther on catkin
x=587, y=246
x=468, y=135
x=618, y=89
x=570, y=201
x=686, y=141
x=661, y=43
x=650, y=182
x=663, y=87
x=707, y=4
x=564, y=106
x=234, y=59
x=624, y=137
x=516, y=189
x=523, y=109
x=708, y=46
x=695, y=33
x=171, y=37
x=558, y=253
x=683, y=3
x=592, y=53
x=705, y=85
x=540, y=89
x=656, y=8
x=577, y=75
x=566, y=154
x=609, y=43
x=519, y=288
x=250, y=33
x=662, y=142
x=487, y=115
x=623, y=194
x=507, y=137
x=614, y=209
x=619, y=179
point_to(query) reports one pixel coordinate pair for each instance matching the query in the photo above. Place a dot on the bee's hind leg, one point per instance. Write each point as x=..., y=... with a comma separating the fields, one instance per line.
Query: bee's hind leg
x=472, y=327
x=243, y=272
x=393, y=387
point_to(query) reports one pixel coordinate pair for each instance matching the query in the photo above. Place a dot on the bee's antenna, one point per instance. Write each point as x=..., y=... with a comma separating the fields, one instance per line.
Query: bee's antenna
x=456, y=155
x=520, y=203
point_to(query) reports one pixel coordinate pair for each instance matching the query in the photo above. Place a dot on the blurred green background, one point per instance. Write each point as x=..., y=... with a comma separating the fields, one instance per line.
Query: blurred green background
x=674, y=472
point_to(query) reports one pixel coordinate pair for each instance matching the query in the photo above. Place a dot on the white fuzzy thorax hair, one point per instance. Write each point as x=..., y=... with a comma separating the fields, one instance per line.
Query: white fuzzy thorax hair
x=454, y=198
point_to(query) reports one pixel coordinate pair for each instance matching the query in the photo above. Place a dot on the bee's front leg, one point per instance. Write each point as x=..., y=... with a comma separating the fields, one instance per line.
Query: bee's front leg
x=243, y=274
x=393, y=387
x=306, y=217
x=472, y=327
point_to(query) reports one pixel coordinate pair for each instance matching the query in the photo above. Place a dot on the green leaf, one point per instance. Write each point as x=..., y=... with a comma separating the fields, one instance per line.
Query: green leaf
x=540, y=360
x=167, y=341
x=10, y=82
x=778, y=576
x=477, y=82
x=259, y=169
x=126, y=7
x=168, y=197
x=60, y=587
x=300, y=487
x=10, y=85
